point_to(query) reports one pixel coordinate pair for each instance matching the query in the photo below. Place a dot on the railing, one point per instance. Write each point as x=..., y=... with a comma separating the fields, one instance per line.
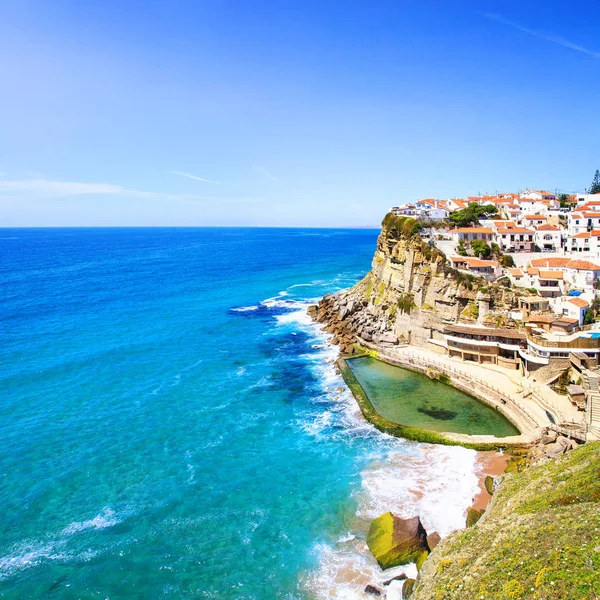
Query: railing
x=579, y=342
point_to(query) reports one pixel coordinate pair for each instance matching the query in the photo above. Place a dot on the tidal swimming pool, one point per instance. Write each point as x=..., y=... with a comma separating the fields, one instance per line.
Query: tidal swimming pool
x=414, y=400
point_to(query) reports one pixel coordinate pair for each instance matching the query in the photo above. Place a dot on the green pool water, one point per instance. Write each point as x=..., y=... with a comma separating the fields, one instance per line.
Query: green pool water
x=412, y=399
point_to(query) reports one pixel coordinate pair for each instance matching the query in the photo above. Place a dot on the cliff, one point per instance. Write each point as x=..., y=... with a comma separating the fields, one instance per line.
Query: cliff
x=539, y=538
x=410, y=293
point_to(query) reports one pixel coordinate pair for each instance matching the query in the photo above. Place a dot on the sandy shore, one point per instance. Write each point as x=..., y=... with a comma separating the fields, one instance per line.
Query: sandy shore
x=493, y=464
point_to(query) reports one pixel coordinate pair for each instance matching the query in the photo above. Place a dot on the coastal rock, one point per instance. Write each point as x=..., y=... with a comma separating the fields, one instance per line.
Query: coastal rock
x=408, y=587
x=549, y=437
x=394, y=541
x=489, y=484
x=386, y=338
x=371, y=589
x=400, y=577
x=473, y=515
x=559, y=447
x=433, y=539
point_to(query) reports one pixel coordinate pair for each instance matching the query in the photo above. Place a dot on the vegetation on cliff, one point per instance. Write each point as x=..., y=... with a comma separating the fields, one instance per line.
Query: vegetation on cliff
x=539, y=539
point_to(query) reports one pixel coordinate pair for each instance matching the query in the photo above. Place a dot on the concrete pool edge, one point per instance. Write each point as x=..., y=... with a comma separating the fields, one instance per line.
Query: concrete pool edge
x=528, y=436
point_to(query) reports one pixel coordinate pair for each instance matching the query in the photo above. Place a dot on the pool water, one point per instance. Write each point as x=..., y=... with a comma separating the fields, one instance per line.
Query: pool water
x=414, y=400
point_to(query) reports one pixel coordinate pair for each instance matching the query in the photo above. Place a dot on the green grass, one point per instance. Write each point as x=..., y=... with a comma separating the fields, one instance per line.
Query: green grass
x=539, y=540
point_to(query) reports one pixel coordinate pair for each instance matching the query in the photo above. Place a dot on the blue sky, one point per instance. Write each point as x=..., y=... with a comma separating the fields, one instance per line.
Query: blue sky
x=308, y=113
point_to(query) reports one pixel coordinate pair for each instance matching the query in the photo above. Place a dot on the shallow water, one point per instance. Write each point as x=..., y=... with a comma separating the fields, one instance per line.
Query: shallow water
x=413, y=399
x=173, y=426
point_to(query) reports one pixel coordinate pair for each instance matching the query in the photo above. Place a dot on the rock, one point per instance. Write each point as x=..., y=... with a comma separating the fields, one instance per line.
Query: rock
x=408, y=587
x=400, y=577
x=312, y=311
x=489, y=484
x=386, y=338
x=559, y=447
x=433, y=539
x=549, y=437
x=473, y=515
x=371, y=589
x=394, y=541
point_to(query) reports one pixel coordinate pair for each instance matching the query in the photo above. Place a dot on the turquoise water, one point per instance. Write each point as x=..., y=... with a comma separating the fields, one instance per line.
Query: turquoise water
x=413, y=399
x=172, y=426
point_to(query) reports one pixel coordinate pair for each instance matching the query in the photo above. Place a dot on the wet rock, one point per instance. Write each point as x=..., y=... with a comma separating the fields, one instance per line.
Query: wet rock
x=371, y=589
x=400, y=577
x=408, y=587
x=394, y=541
x=312, y=311
x=489, y=484
x=433, y=539
x=473, y=515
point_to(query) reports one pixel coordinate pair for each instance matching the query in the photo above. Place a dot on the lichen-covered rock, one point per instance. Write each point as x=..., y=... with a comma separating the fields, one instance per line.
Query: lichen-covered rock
x=394, y=541
x=489, y=484
x=408, y=587
x=473, y=515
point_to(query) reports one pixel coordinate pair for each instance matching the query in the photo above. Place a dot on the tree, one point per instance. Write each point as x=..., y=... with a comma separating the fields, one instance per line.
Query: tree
x=507, y=261
x=565, y=201
x=472, y=214
x=595, y=187
x=461, y=248
x=481, y=249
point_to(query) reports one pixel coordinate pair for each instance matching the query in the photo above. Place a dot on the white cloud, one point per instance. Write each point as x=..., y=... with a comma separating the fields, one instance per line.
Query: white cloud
x=193, y=177
x=44, y=187
x=550, y=37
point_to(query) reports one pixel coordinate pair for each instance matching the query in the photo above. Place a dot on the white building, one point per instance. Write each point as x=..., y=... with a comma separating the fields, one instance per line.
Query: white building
x=548, y=238
x=537, y=195
x=577, y=273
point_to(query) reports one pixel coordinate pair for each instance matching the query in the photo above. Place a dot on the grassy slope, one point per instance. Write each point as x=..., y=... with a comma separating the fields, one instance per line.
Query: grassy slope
x=540, y=539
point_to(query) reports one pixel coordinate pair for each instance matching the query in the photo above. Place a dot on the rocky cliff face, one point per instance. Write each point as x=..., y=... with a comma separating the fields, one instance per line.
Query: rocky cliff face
x=409, y=294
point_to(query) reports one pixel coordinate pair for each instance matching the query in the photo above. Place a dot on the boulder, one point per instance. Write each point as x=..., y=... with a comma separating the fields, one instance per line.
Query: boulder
x=371, y=589
x=312, y=311
x=473, y=515
x=394, y=541
x=386, y=338
x=559, y=447
x=400, y=577
x=433, y=539
x=408, y=587
x=549, y=437
x=489, y=484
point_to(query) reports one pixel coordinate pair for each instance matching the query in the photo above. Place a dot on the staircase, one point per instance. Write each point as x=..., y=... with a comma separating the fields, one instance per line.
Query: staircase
x=592, y=394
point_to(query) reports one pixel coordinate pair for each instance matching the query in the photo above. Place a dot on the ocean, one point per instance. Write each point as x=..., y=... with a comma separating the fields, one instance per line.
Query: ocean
x=173, y=426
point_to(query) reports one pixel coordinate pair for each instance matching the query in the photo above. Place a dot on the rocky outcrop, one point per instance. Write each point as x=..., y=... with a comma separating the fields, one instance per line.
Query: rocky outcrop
x=394, y=541
x=409, y=295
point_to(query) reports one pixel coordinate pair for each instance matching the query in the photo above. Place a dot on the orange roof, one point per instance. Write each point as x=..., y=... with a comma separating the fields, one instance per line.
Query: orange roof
x=516, y=272
x=547, y=227
x=565, y=262
x=583, y=234
x=541, y=318
x=536, y=217
x=557, y=261
x=532, y=271
x=551, y=274
x=583, y=265
x=579, y=302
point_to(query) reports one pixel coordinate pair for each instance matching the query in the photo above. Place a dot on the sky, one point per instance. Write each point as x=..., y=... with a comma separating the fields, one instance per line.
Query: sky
x=288, y=112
